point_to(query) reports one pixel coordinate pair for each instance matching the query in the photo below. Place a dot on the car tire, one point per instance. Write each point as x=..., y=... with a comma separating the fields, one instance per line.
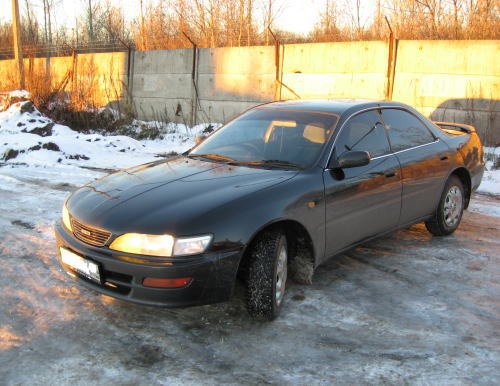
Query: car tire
x=449, y=212
x=267, y=274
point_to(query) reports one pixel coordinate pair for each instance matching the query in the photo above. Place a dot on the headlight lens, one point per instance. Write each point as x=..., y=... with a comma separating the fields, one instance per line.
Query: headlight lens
x=191, y=245
x=154, y=245
x=66, y=218
x=160, y=245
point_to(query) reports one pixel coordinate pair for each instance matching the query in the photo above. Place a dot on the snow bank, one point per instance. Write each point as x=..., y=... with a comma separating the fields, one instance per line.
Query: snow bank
x=20, y=94
x=491, y=179
x=10, y=97
x=28, y=137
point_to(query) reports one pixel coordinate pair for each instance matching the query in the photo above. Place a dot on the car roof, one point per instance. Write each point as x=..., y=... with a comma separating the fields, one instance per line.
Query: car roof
x=333, y=106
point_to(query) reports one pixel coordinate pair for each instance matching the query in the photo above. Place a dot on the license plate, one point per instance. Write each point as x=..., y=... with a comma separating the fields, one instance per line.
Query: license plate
x=85, y=267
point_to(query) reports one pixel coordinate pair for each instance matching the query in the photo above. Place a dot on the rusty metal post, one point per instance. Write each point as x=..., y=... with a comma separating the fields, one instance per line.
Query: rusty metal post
x=279, y=64
x=194, y=76
x=277, y=89
x=391, y=63
x=70, y=74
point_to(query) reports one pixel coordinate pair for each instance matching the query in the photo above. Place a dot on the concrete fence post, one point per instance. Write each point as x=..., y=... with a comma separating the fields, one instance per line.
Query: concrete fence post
x=130, y=85
x=130, y=70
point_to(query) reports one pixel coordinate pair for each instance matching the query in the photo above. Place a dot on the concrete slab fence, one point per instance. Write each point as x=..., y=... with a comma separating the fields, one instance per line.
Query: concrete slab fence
x=457, y=81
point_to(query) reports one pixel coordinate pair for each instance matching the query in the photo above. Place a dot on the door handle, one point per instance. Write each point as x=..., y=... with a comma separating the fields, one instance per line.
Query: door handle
x=444, y=158
x=389, y=175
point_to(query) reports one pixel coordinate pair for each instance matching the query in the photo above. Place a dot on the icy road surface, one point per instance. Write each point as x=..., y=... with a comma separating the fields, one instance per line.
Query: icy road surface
x=408, y=308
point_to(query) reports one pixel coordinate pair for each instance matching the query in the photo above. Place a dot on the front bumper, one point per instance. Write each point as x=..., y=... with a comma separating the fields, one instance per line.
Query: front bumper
x=213, y=274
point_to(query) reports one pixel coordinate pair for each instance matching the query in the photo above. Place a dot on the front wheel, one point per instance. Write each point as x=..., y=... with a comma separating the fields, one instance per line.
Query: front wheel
x=451, y=207
x=267, y=274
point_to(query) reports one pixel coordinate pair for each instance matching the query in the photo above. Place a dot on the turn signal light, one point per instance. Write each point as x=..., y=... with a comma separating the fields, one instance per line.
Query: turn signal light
x=166, y=283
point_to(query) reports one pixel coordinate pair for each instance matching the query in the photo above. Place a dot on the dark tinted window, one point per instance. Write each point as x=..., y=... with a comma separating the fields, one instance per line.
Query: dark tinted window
x=363, y=132
x=405, y=130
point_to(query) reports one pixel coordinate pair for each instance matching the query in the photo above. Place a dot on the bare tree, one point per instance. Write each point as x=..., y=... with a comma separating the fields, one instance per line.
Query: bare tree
x=30, y=24
x=249, y=20
x=114, y=22
x=326, y=28
x=161, y=23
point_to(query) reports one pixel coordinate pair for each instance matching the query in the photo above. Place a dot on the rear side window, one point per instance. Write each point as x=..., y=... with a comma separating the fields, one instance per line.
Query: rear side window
x=405, y=130
x=363, y=132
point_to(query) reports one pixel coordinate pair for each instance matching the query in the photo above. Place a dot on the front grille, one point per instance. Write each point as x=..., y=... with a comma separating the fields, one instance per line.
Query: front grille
x=88, y=234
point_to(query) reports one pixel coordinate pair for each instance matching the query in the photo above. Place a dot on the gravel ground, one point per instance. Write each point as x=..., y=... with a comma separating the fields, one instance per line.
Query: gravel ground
x=408, y=308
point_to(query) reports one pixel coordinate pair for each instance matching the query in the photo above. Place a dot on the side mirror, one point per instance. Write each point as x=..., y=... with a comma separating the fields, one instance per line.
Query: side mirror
x=352, y=159
x=199, y=139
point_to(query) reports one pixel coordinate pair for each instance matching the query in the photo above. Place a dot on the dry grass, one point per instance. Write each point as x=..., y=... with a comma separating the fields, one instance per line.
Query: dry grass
x=72, y=91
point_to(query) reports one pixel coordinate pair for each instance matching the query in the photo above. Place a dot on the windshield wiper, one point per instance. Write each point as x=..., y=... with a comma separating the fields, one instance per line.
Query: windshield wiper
x=266, y=162
x=279, y=163
x=213, y=156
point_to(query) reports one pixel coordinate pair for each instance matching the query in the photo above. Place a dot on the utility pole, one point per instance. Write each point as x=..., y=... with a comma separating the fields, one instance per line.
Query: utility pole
x=17, y=42
x=143, y=40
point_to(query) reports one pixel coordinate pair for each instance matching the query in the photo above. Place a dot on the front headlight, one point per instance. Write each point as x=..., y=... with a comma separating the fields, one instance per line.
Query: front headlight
x=154, y=245
x=66, y=219
x=160, y=245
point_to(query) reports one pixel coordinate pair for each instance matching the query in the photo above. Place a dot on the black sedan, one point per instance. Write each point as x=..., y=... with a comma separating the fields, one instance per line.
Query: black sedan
x=277, y=190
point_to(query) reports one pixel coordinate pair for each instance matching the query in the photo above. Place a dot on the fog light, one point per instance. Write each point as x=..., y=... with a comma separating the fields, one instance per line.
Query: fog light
x=166, y=283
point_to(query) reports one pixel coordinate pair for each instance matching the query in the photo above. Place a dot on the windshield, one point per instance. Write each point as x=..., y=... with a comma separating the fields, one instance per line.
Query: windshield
x=270, y=137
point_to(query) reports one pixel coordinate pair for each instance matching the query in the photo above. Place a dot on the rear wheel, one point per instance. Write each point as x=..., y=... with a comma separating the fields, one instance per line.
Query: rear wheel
x=451, y=207
x=267, y=274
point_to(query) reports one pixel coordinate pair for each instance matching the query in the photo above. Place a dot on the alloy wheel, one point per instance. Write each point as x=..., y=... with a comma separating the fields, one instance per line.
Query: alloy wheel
x=453, y=206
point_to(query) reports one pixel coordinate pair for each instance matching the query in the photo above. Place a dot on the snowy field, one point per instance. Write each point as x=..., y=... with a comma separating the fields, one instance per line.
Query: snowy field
x=408, y=308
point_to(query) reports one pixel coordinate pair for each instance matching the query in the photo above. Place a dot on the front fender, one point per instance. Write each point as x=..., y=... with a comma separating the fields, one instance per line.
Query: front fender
x=300, y=199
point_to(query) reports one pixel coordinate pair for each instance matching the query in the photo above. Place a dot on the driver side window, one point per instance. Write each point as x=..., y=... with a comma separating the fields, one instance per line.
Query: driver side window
x=363, y=132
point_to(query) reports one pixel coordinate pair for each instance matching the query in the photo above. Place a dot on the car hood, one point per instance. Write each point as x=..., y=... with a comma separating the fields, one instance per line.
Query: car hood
x=164, y=196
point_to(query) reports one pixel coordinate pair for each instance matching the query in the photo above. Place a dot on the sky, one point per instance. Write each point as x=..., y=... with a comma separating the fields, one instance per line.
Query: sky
x=295, y=15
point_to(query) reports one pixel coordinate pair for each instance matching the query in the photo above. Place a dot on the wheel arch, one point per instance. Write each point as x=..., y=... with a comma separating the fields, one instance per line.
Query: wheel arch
x=464, y=176
x=296, y=234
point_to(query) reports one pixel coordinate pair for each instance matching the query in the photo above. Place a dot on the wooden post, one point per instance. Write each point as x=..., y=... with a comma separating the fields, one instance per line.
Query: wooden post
x=17, y=43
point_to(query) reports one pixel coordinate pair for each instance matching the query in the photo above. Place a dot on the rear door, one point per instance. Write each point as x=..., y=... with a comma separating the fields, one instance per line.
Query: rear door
x=424, y=163
x=362, y=201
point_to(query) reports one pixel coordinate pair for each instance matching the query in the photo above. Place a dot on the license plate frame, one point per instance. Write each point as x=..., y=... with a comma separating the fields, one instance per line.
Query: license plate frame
x=81, y=265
